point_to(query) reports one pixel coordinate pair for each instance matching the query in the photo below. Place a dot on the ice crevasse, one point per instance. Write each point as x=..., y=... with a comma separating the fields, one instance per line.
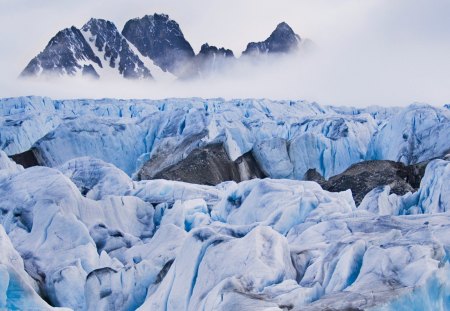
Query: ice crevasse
x=255, y=245
x=80, y=233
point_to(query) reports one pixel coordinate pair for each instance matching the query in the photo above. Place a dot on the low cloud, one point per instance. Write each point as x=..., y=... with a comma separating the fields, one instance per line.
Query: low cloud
x=383, y=52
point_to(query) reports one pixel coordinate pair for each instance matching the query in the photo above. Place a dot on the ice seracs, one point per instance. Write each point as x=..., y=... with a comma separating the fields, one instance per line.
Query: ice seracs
x=284, y=139
x=413, y=135
x=170, y=245
x=82, y=234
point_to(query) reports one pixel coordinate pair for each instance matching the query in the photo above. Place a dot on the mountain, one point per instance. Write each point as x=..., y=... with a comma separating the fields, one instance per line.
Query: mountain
x=149, y=47
x=114, y=49
x=282, y=40
x=67, y=53
x=160, y=39
x=97, y=50
x=232, y=225
x=211, y=60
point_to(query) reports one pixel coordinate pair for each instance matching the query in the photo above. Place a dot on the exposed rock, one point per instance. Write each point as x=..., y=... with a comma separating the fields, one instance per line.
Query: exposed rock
x=161, y=39
x=89, y=71
x=362, y=177
x=115, y=49
x=82, y=52
x=209, y=165
x=282, y=40
x=62, y=55
x=26, y=159
x=211, y=60
x=98, y=46
x=211, y=50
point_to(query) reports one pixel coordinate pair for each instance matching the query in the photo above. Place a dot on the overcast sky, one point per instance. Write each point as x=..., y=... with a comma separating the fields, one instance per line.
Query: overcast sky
x=385, y=52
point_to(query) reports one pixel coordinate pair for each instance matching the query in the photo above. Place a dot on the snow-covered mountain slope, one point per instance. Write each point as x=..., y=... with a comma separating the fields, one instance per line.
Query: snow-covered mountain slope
x=149, y=47
x=257, y=245
x=96, y=50
x=67, y=53
x=114, y=49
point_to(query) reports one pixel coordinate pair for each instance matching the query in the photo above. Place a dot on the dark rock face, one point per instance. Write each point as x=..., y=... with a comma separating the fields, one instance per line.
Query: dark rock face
x=26, y=159
x=211, y=51
x=161, y=39
x=362, y=177
x=282, y=40
x=117, y=51
x=62, y=55
x=211, y=60
x=210, y=165
x=157, y=37
x=89, y=71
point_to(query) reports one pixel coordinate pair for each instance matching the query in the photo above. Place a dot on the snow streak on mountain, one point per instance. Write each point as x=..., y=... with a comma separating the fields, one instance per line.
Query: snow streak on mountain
x=147, y=44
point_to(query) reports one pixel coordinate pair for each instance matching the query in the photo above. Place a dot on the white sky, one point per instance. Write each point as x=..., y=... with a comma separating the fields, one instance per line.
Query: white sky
x=386, y=52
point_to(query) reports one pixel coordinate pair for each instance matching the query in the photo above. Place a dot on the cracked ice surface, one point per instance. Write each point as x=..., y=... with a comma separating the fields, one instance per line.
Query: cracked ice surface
x=257, y=245
x=81, y=234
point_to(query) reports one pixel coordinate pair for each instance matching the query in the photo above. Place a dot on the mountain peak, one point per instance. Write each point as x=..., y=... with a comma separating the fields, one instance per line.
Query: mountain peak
x=282, y=40
x=115, y=48
x=161, y=39
x=62, y=55
x=210, y=50
x=283, y=26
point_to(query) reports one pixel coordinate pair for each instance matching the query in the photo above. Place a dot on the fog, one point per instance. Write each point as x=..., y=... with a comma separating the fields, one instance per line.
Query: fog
x=383, y=52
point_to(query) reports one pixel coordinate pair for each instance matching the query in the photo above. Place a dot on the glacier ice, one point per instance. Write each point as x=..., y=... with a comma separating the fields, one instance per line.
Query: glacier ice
x=432, y=196
x=162, y=244
x=129, y=133
x=82, y=234
x=412, y=135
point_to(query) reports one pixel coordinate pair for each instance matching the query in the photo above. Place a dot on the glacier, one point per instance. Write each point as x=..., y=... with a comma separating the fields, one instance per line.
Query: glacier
x=82, y=232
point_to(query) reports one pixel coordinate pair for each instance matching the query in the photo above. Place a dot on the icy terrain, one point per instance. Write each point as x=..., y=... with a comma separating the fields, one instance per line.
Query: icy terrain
x=79, y=232
x=286, y=137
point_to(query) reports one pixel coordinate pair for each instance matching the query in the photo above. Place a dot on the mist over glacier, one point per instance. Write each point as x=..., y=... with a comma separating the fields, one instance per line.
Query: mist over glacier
x=371, y=53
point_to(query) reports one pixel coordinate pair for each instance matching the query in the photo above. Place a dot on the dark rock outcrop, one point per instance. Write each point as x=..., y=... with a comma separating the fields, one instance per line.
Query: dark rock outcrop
x=26, y=159
x=212, y=51
x=282, y=40
x=362, y=177
x=89, y=71
x=62, y=55
x=209, y=165
x=161, y=39
x=117, y=52
x=211, y=60
x=69, y=52
x=100, y=45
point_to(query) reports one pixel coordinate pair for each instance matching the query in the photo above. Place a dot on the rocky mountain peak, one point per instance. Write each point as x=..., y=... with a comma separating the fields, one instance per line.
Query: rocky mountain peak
x=62, y=55
x=282, y=40
x=115, y=49
x=210, y=50
x=161, y=39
